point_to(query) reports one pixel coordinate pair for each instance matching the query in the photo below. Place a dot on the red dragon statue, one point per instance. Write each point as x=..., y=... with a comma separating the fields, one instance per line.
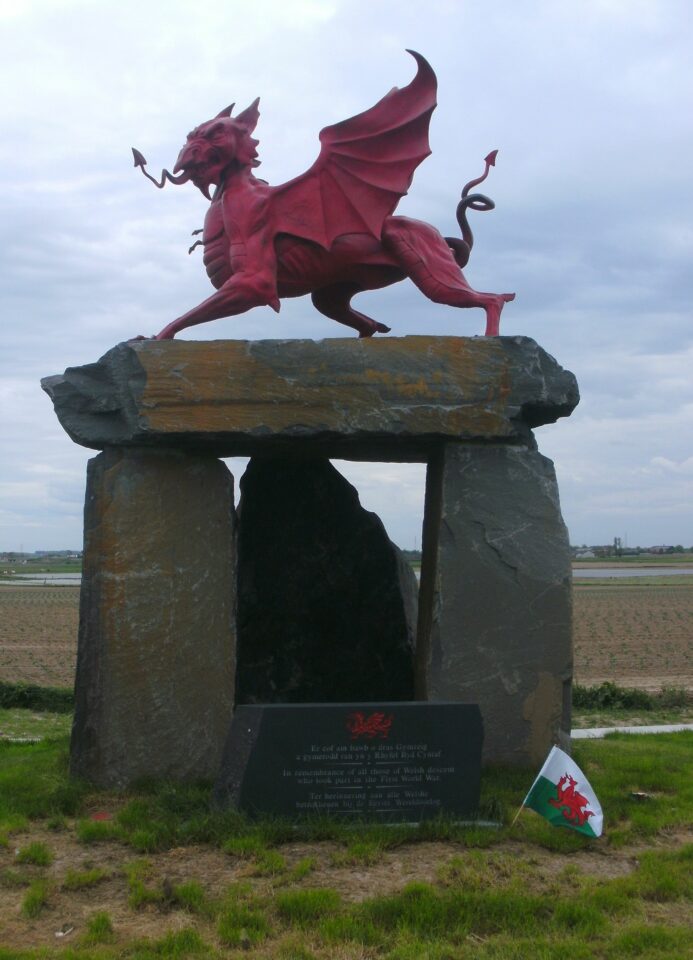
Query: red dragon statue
x=331, y=231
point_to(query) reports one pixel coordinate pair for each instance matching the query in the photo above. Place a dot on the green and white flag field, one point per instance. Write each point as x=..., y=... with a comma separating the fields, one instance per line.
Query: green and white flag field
x=563, y=795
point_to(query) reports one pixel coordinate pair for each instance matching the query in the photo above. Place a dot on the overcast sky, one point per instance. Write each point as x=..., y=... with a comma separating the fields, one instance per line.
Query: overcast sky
x=588, y=102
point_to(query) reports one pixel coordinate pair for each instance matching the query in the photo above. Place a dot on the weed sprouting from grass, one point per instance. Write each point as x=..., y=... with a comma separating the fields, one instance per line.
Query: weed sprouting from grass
x=35, y=899
x=99, y=930
x=36, y=853
x=81, y=879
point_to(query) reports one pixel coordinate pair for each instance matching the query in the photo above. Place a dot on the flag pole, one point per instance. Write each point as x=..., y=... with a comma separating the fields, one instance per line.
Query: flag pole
x=522, y=806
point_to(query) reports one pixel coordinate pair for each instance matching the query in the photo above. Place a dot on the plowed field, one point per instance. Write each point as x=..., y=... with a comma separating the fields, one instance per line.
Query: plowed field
x=636, y=635
x=38, y=634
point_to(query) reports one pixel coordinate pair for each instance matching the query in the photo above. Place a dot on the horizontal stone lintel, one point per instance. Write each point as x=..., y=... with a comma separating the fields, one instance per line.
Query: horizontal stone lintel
x=383, y=399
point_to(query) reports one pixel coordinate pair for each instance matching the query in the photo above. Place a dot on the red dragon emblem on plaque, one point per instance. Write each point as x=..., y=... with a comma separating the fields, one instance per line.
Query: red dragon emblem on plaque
x=571, y=803
x=375, y=725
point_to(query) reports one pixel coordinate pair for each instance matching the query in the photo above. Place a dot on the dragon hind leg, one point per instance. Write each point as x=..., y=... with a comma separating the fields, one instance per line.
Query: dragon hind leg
x=431, y=265
x=335, y=302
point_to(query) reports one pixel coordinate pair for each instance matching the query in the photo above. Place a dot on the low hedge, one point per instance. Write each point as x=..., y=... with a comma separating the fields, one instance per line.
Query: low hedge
x=609, y=695
x=29, y=696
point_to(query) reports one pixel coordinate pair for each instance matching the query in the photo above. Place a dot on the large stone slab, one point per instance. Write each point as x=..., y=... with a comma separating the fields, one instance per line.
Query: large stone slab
x=379, y=399
x=155, y=666
x=501, y=616
x=327, y=604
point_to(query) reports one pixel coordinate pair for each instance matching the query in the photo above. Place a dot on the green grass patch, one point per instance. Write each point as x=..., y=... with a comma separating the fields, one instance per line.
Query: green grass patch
x=304, y=908
x=358, y=852
x=36, y=853
x=21, y=724
x=242, y=925
x=83, y=879
x=142, y=890
x=99, y=930
x=246, y=847
x=303, y=869
x=35, y=899
x=191, y=896
x=34, y=781
x=99, y=831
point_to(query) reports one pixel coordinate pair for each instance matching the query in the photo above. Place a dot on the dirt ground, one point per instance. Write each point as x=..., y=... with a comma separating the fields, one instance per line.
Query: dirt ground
x=216, y=871
x=635, y=635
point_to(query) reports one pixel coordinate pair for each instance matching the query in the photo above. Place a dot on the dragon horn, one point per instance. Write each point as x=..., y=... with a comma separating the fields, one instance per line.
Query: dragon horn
x=226, y=112
x=249, y=117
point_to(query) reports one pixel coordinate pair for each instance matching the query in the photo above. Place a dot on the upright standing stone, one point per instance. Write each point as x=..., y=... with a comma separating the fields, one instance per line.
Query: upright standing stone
x=326, y=602
x=155, y=666
x=501, y=612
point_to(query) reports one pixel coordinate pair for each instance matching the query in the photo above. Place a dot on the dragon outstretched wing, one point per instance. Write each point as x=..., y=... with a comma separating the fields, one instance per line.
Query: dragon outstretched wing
x=365, y=166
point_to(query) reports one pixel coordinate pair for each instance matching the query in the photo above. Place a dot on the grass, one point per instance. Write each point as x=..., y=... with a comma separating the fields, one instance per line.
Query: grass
x=35, y=899
x=516, y=892
x=604, y=705
x=36, y=853
x=610, y=705
x=21, y=724
x=99, y=930
x=82, y=879
x=642, y=559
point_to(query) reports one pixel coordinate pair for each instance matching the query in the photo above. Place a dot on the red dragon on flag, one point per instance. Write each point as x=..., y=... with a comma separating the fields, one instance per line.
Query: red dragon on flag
x=571, y=803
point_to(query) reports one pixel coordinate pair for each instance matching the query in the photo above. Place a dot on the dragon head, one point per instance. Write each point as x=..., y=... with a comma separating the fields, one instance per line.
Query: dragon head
x=219, y=147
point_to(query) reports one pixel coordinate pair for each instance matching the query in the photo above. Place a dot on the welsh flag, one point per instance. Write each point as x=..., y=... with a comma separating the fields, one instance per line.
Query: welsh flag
x=562, y=794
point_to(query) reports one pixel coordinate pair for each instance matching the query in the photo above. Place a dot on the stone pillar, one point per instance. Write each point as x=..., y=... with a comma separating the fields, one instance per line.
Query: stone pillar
x=155, y=665
x=500, y=606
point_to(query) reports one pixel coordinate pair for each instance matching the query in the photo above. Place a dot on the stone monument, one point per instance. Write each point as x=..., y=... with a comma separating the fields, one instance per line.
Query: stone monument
x=158, y=622
x=494, y=618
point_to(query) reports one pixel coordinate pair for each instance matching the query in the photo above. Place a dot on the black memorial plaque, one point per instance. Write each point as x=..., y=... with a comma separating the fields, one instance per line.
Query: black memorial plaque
x=394, y=762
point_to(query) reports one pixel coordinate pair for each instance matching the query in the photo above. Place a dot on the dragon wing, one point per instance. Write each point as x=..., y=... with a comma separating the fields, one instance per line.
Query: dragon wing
x=365, y=166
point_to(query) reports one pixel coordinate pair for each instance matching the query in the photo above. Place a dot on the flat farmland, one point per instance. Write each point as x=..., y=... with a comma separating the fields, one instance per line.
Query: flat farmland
x=635, y=633
x=38, y=634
